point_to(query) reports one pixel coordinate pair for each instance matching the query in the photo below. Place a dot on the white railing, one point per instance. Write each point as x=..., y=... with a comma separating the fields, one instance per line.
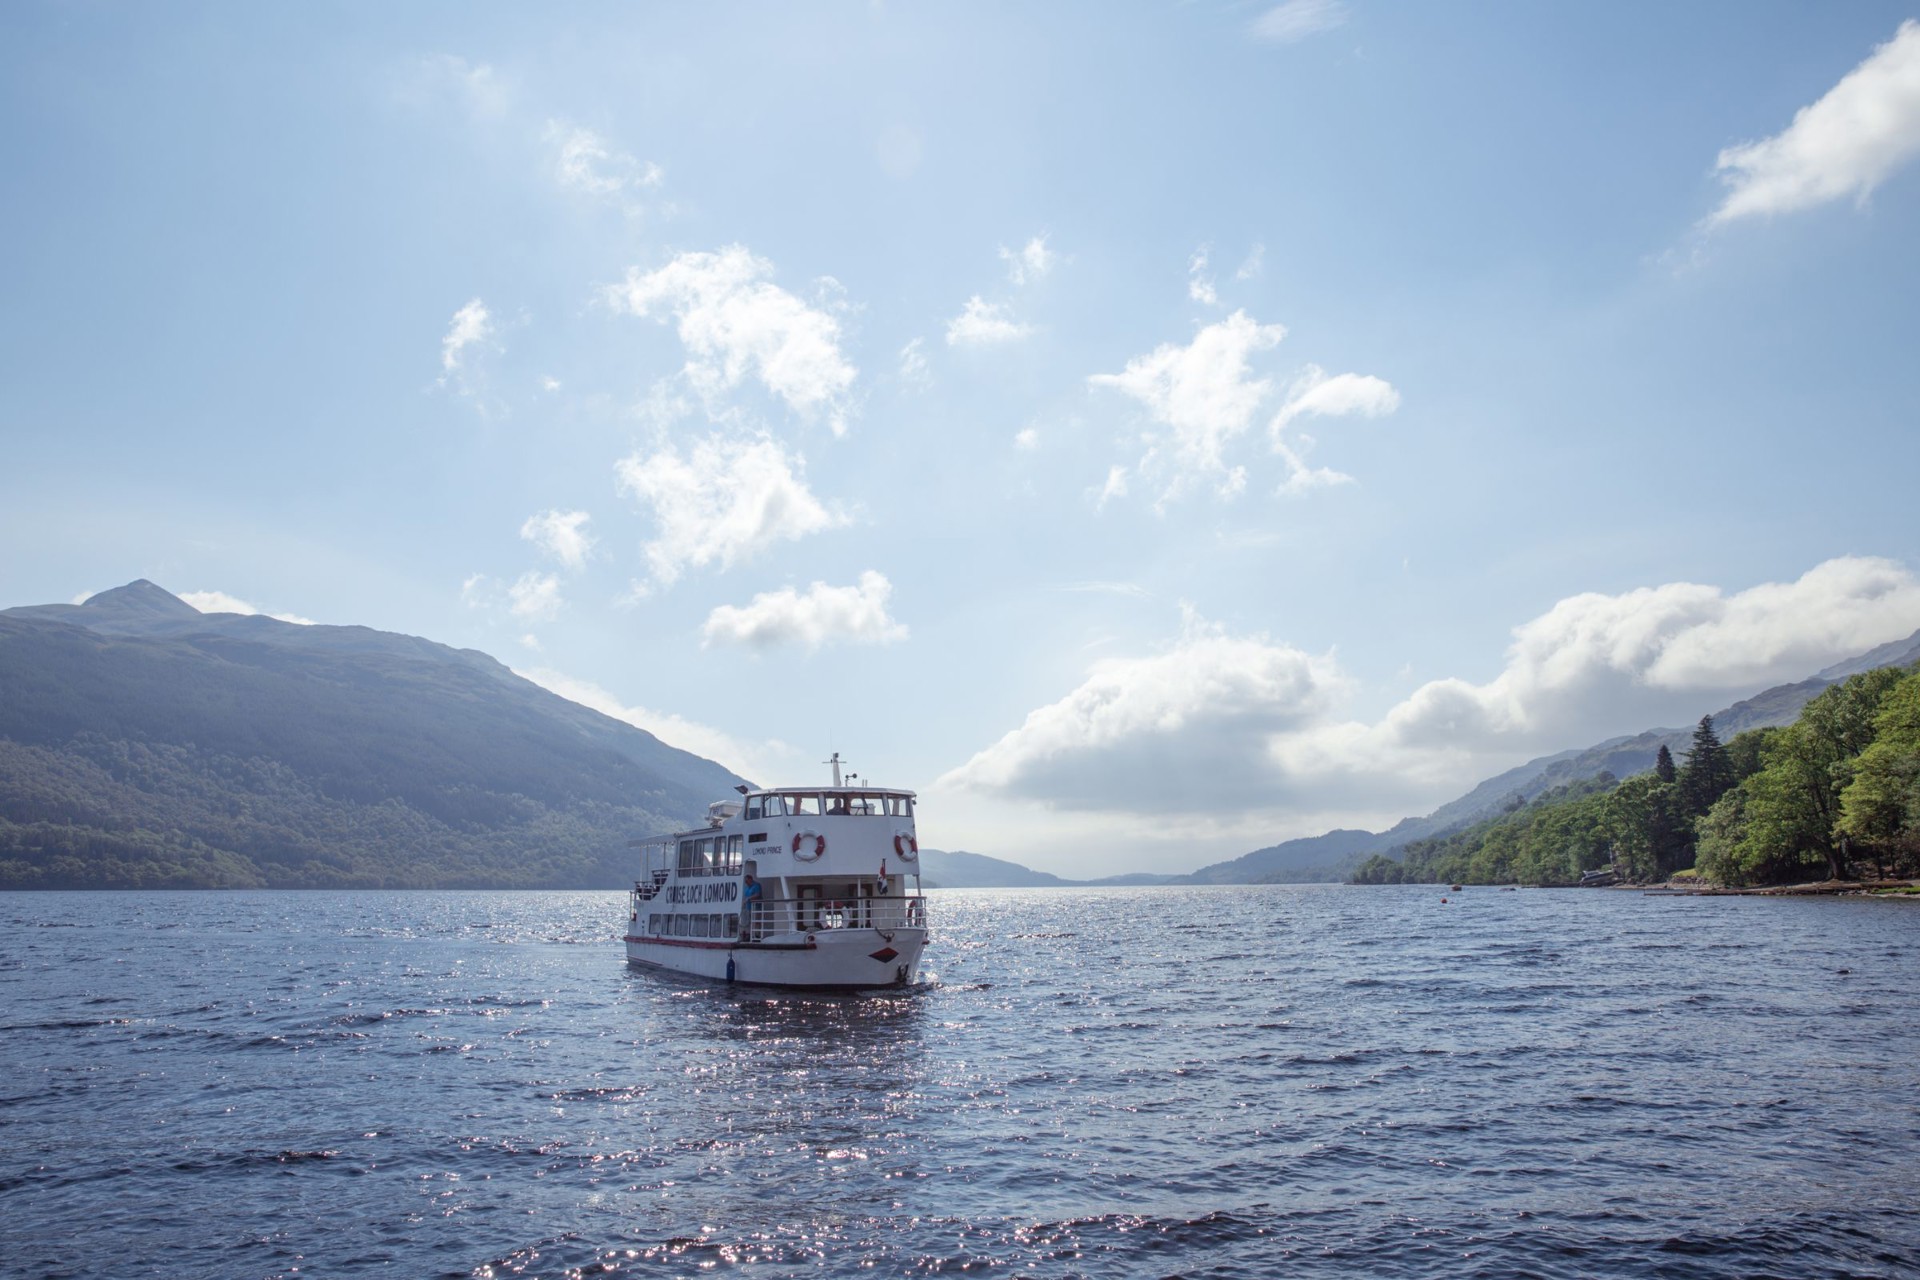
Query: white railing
x=769, y=918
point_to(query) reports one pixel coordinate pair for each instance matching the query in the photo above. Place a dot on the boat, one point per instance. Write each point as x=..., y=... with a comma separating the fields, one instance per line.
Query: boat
x=804, y=886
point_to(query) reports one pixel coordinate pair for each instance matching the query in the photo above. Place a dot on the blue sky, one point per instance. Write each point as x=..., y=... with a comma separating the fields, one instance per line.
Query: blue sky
x=1151, y=431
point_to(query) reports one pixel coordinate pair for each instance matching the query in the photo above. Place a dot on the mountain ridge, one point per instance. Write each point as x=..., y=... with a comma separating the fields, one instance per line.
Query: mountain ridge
x=145, y=743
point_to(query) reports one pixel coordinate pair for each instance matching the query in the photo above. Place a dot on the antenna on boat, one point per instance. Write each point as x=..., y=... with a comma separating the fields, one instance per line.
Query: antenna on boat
x=835, y=762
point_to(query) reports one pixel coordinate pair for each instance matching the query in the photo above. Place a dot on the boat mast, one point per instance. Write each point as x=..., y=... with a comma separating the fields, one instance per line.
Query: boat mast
x=835, y=762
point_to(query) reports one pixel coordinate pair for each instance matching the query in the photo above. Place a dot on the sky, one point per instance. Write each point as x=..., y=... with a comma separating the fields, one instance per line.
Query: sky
x=1149, y=431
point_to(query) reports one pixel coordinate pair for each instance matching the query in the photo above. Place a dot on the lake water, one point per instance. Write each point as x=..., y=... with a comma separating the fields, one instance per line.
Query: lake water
x=1311, y=1081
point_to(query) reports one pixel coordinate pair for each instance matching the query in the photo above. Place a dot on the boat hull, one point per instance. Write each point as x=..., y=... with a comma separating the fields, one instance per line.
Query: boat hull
x=847, y=959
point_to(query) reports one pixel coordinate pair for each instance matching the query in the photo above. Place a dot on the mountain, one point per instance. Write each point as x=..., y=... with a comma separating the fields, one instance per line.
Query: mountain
x=1329, y=856
x=143, y=743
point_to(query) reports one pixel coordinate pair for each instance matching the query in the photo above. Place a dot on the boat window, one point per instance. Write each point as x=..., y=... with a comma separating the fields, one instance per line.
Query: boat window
x=776, y=807
x=803, y=806
x=754, y=806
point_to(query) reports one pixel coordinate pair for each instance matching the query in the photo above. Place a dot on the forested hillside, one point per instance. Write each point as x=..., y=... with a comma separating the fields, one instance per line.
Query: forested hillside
x=1834, y=794
x=144, y=744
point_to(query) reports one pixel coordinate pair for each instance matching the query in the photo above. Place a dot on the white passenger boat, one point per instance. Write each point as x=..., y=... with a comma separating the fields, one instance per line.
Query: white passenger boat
x=787, y=887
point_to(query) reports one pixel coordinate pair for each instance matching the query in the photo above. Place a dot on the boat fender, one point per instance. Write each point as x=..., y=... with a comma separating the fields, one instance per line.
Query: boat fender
x=803, y=840
x=810, y=941
x=729, y=968
x=906, y=846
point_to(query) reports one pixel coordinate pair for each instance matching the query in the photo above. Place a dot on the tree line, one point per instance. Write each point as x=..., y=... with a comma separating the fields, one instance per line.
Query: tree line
x=1835, y=794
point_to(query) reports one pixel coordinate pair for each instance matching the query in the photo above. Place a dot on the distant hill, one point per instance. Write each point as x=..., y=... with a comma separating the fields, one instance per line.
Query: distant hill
x=962, y=870
x=1330, y=856
x=143, y=743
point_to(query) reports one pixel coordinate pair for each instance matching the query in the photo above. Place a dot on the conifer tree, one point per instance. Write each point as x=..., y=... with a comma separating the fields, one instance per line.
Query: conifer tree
x=1663, y=765
x=1709, y=771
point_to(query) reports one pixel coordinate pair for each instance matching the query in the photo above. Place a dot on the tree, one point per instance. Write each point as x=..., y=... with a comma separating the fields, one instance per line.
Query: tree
x=1708, y=774
x=1880, y=807
x=1786, y=815
x=1663, y=765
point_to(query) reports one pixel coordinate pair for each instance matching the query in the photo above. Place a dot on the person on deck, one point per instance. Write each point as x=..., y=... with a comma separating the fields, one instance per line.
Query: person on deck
x=749, y=903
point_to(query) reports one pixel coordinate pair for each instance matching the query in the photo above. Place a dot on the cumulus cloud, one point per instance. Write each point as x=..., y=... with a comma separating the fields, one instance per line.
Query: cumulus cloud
x=1263, y=720
x=722, y=502
x=823, y=615
x=1297, y=19
x=1181, y=730
x=1343, y=395
x=760, y=758
x=221, y=602
x=1594, y=658
x=1199, y=284
x=1253, y=265
x=1026, y=440
x=585, y=161
x=1845, y=144
x=1115, y=487
x=982, y=323
x=735, y=322
x=535, y=596
x=1030, y=262
x=562, y=535
x=1204, y=392
x=472, y=325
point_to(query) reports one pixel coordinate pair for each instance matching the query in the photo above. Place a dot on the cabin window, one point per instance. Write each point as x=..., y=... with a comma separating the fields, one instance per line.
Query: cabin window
x=733, y=926
x=754, y=805
x=653, y=924
x=803, y=806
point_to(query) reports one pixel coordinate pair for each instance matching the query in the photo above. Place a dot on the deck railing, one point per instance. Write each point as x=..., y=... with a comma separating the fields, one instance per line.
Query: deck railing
x=769, y=918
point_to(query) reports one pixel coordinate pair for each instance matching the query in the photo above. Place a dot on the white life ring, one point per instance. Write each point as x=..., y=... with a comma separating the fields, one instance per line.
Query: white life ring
x=906, y=846
x=801, y=844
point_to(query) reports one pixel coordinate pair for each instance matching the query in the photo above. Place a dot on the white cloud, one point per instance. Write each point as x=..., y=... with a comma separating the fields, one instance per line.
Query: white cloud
x=1297, y=19
x=476, y=592
x=1256, y=261
x=1199, y=283
x=1313, y=393
x=824, y=615
x=585, y=161
x=1845, y=144
x=1302, y=478
x=562, y=535
x=549, y=383
x=913, y=364
x=722, y=502
x=1182, y=730
x=981, y=323
x=471, y=325
x=764, y=759
x=1115, y=487
x=1031, y=262
x=734, y=322
x=1218, y=719
x=221, y=602
x=536, y=597
x=1203, y=391
x=1026, y=440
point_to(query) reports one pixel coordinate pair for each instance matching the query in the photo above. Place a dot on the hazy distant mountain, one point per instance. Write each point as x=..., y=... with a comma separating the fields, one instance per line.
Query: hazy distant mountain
x=145, y=743
x=1330, y=855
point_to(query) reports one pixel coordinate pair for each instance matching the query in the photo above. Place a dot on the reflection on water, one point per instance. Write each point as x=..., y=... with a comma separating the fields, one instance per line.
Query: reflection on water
x=1118, y=1082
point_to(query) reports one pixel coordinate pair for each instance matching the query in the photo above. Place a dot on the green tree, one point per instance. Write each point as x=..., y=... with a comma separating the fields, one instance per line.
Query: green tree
x=1708, y=773
x=1663, y=765
x=1786, y=818
x=1880, y=807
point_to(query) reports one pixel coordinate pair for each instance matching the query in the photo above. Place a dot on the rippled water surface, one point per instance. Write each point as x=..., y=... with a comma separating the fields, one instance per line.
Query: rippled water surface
x=1248, y=1082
